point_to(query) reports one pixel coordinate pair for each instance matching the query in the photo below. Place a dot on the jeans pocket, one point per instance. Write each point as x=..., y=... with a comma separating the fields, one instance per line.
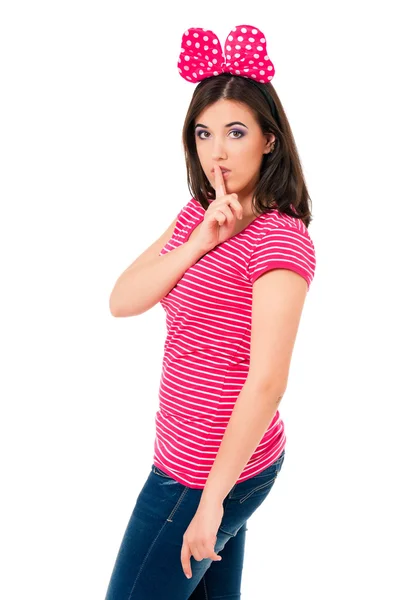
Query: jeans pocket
x=259, y=484
x=245, y=498
x=262, y=486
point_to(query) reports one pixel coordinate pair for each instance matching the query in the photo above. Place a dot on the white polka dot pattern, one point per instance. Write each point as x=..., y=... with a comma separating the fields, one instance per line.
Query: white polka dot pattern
x=245, y=54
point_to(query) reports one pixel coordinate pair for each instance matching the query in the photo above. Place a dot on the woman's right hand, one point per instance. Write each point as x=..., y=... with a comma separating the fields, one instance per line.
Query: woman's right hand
x=220, y=217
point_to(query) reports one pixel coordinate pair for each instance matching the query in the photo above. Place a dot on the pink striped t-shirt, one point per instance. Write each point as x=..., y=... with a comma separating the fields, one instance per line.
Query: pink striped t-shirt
x=207, y=347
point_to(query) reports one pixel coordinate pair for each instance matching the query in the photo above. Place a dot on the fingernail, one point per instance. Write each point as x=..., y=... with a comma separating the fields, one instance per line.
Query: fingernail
x=188, y=576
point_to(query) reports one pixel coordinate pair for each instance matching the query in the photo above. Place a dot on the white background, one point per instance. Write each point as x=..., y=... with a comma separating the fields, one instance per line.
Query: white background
x=92, y=172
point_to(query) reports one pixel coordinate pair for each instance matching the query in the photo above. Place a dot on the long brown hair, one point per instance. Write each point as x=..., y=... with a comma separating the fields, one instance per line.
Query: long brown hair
x=281, y=175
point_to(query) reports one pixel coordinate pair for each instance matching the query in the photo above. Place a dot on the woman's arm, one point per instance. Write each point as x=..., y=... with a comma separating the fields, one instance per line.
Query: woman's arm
x=278, y=300
x=142, y=285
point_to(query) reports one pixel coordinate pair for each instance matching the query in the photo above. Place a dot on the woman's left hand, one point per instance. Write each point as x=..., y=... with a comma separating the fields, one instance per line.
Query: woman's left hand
x=201, y=536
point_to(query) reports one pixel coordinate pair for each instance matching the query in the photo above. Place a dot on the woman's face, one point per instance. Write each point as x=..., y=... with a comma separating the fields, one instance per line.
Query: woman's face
x=227, y=134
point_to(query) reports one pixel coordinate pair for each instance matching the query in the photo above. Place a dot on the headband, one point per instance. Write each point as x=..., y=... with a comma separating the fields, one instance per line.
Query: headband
x=245, y=54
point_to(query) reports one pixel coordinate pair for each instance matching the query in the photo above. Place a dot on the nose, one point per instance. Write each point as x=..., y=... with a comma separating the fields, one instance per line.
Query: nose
x=218, y=151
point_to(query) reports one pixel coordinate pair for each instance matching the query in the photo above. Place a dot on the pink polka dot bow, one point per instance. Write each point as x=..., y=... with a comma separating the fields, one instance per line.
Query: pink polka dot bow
x=245, y=54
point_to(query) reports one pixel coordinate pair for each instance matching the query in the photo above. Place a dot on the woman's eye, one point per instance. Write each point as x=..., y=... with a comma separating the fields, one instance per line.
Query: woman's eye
x=199, y=134
x=236, y=131
x=233, y=131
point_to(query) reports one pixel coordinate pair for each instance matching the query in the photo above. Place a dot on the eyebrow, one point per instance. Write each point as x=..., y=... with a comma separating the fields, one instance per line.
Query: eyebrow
x=227, y=125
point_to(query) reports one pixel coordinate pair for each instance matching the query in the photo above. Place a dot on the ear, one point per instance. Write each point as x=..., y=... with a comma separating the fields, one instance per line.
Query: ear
x=270, y=138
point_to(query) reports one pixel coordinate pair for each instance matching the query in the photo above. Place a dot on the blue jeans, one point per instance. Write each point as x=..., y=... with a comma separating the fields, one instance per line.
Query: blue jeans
x=148, y=565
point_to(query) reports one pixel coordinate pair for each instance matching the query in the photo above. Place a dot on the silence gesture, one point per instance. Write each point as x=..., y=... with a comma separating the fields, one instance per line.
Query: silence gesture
x=219, y=222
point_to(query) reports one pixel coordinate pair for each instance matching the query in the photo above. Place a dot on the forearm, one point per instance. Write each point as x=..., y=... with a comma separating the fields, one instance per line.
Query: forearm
x=139, y=288
x=252, y=414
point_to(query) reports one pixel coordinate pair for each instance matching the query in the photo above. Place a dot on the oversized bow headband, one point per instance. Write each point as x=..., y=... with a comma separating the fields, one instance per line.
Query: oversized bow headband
x=245, y=54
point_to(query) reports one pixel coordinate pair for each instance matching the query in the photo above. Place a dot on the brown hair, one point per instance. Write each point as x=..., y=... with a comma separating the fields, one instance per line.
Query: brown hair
x=281, y=176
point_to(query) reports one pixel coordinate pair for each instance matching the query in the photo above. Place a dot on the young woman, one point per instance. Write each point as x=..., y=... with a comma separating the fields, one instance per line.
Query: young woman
x=232, y=273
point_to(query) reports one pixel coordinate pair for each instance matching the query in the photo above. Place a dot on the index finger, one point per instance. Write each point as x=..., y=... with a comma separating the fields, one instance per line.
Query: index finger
x=186, y=560
x=219, y=185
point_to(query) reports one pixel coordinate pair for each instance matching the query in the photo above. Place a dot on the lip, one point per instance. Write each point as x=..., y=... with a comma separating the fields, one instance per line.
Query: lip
x=223, y=169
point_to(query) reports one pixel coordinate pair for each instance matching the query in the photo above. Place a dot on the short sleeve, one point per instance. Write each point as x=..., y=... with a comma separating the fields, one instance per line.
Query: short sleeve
x=284, y=246
x=185, y=217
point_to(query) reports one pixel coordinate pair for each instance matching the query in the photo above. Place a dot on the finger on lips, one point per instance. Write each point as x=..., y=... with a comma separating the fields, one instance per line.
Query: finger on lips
x=220, y=186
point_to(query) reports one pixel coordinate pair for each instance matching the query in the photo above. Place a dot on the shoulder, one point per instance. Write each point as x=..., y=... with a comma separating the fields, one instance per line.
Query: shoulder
x=276, y=220
x=282, y=242
x=276, y=225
